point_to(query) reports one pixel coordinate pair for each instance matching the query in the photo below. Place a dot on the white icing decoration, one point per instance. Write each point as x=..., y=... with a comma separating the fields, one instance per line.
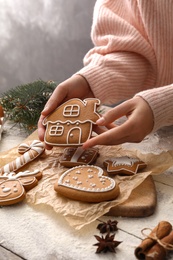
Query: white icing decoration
x=69, y=134
x=36, y=146
x=14, y=176
x=77, y=154
x=71, y=110
x=27, y=181
x=96, y=189
x=56, y=130
x=6, y=190
x=124, y=160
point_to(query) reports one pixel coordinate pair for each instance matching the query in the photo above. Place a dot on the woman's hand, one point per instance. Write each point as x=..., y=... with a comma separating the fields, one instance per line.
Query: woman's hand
x=140, y=122
x=74, y=87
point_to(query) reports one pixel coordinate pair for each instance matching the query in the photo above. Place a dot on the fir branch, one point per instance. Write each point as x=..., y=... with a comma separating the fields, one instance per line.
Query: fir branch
x=23, y=104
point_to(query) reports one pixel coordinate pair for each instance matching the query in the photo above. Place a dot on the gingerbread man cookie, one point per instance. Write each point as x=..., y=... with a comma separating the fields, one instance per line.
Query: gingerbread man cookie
x=124, y=165
x=87, y=183
x=13, y=186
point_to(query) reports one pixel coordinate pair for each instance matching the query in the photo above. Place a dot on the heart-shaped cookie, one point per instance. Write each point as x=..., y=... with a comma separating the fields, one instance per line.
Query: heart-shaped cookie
x=87, y=183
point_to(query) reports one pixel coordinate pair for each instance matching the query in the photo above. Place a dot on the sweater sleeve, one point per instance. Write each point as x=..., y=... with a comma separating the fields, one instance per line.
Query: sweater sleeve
x=122, y=61
x=161, y=102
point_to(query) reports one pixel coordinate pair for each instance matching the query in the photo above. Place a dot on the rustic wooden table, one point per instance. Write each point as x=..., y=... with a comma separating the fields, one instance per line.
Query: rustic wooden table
x=40, y=233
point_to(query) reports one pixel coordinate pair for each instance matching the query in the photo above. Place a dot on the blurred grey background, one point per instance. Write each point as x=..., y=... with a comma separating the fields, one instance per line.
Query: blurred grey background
x=42, y=39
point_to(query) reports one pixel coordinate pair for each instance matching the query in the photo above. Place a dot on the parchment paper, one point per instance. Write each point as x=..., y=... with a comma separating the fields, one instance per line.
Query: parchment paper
x=78, y=214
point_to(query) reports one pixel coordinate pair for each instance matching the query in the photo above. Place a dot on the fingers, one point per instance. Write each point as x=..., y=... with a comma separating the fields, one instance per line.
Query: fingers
x=115, y=113
x=114, y=136
x=139, y=124
x=61, y=94
x=76, y=86
x=56, y=98
x=41, y=132
x=41, y=128
x=101, y=129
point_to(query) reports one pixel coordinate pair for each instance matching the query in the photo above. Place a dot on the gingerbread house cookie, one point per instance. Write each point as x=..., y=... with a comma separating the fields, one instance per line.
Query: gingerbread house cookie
x=124, y=165
x=88, y=184
x=71, y=123
x=75, y=156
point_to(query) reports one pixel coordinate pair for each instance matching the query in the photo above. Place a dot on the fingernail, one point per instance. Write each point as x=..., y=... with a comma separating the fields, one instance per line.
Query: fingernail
x=44, y=109
x=100, y=121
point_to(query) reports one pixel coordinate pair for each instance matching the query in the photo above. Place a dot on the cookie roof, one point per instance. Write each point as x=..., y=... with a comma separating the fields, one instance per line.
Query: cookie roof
x=75, y=110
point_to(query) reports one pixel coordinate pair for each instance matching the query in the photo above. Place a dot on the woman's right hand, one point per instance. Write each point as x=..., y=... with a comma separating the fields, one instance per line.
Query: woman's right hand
x=74, y=87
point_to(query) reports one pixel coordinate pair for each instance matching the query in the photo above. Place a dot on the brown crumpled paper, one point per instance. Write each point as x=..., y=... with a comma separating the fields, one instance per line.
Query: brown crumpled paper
x=77, y=213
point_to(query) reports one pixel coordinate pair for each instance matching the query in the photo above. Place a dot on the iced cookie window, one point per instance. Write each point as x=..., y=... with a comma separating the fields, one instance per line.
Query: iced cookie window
x=71, y=110
x=56, y=130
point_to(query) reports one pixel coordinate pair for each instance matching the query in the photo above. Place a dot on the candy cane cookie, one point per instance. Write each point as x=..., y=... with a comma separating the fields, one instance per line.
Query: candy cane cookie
x=29, y=153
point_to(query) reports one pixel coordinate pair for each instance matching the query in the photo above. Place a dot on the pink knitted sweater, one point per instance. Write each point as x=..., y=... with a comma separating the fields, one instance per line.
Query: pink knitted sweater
x=133, y=54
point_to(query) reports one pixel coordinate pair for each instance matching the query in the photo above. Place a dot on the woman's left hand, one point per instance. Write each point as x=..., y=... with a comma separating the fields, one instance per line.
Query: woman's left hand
x=140, y=122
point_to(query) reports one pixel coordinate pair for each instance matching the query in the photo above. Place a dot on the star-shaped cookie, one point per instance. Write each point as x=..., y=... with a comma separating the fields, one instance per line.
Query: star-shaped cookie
x=124, y=165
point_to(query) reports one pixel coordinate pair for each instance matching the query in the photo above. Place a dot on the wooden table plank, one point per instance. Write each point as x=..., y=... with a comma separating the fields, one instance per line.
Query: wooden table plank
x=7, y=255
x=42, y=234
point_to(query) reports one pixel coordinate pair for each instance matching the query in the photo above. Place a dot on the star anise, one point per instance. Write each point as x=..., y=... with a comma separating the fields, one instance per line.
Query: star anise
x=106, y=243
x=109, y=226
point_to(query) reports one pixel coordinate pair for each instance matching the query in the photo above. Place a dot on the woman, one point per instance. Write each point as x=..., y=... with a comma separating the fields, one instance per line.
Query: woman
x=132, y=60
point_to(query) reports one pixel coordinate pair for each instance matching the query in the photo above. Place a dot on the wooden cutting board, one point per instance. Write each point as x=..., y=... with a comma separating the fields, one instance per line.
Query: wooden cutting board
x=141, y=203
